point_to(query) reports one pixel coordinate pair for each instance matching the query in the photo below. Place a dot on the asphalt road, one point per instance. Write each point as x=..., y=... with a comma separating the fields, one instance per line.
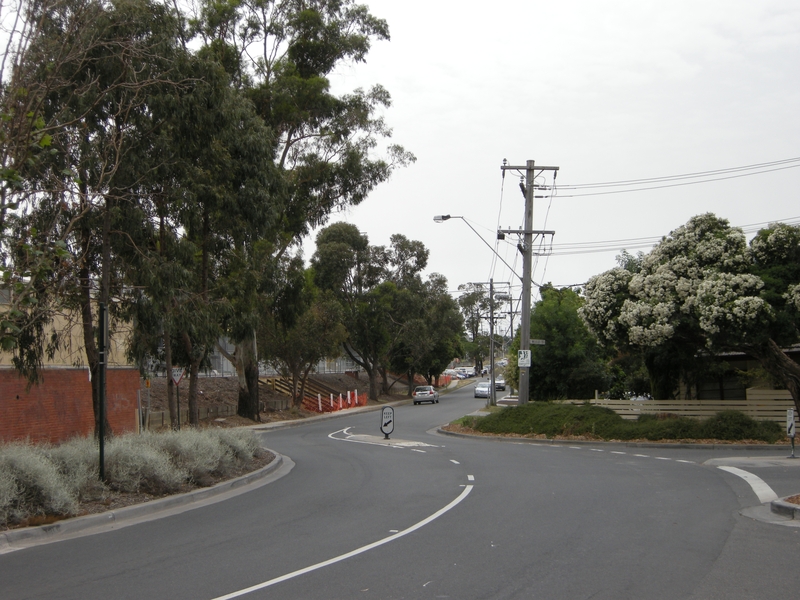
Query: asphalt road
x=431, y=516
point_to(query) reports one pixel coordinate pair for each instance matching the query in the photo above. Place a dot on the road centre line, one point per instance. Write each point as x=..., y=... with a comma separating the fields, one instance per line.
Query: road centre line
x=617, y=452
x=455, y=462
x=760, y=487
x=350, y=554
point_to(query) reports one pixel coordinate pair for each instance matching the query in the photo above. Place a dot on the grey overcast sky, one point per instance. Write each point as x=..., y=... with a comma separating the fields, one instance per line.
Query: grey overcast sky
x=607, y=91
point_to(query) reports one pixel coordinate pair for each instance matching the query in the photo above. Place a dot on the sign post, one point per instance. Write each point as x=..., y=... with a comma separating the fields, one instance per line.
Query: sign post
x=177, y=377
x=790, y=428
x=387, y=421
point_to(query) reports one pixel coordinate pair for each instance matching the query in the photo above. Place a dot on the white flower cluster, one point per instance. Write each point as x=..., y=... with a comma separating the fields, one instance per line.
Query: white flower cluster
x=604, y=295
x=775, y=244
x=696, y=277
x=729, y=302
x=648, y=324
x=792, y=296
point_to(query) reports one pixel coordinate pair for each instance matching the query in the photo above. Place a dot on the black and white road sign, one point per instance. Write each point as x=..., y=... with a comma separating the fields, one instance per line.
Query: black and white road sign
x=523, y=358
x=790, y=422
x=387, y=420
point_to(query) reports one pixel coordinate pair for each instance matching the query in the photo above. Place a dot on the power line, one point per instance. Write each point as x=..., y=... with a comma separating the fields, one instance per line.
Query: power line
x=671, y=185
x=700, y=174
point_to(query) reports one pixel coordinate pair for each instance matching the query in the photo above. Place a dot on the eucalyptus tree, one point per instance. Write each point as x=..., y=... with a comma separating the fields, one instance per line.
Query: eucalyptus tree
x=701, y=289
x=474, y=303
x=280, y=54
x=304, y=327
x=92, y=67
x=355, y=272
x=429, y=329
x=571, y=364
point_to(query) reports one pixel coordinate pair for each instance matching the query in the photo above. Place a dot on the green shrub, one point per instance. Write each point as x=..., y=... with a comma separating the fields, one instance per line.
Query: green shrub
x=734, y=425
x=555, y=419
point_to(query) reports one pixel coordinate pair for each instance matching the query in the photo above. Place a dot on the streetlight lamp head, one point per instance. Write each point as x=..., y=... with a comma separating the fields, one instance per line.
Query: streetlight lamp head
x=441, y=218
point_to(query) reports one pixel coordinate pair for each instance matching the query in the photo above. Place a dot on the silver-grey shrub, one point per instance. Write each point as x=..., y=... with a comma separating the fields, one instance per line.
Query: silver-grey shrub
x=135, y=463
x=78, y=461
x=197, y=452
x=243, y=443
x=8, y=494
x=40, y=487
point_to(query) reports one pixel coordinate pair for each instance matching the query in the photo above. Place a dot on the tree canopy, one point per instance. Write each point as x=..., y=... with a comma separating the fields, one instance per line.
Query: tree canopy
x=702, y=291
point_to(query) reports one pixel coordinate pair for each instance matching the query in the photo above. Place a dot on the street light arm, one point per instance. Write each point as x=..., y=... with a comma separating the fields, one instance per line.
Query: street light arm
x=442, y=218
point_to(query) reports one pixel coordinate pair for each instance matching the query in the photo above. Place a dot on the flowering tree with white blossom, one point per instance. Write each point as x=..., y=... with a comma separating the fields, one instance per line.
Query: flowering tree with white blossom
x=702, y=290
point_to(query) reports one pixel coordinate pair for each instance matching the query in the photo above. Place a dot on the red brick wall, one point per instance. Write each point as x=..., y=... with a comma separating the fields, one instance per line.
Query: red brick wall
x=60, y=407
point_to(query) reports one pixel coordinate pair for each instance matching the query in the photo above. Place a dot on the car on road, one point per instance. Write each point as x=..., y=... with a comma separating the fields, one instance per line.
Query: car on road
x=482, y=389
x=425, y=393
x=500, y=384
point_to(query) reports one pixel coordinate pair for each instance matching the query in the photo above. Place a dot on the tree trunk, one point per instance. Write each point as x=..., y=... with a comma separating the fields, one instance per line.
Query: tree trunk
x=303, y=381
x=384, y=380
x=410, y=376
x=87, y=320
x=92, y=353
x=196, y=356
x=194, y=408
x=780, y=366
x=247, y=372
x=374, y=389
x=171, y=402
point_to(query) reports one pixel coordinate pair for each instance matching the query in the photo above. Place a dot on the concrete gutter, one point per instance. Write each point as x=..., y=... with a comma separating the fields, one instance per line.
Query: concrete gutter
x=502, y=438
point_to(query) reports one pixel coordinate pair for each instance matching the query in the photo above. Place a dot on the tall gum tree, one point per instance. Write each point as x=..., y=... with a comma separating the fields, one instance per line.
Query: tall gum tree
x=280, y=54
x=703, y=287
x=92, y=67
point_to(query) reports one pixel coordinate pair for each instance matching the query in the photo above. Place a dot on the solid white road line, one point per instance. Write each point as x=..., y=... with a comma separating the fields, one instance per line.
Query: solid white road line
x=356, y=552
x=760, y=487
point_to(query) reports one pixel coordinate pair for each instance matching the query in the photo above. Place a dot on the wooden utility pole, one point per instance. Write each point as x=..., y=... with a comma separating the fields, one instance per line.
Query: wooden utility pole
x=527, y=252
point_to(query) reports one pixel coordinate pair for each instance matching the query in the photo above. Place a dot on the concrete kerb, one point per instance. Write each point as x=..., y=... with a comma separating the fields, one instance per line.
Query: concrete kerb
x=23, y=536
x=323, y=416
x=785, y=509
x=502, y=438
